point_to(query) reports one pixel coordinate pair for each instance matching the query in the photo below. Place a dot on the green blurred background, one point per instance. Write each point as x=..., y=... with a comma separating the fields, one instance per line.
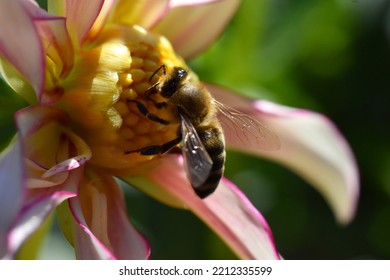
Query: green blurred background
x=330, y=56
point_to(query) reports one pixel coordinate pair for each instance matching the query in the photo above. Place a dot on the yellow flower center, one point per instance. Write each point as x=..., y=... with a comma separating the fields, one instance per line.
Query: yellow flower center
x=105, y=96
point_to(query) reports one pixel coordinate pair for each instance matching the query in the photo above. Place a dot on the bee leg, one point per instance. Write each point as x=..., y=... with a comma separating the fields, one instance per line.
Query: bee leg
x=158, y=69
x=144, y=111
x=158, y=105
x=156, y=149
x=153, y=90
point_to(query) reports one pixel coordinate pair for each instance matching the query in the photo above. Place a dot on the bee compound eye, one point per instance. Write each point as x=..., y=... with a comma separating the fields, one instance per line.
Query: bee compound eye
x=181, y=73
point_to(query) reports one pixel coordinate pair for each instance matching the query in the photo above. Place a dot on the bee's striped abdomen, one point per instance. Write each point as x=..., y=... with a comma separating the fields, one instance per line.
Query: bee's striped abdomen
x=213, y=141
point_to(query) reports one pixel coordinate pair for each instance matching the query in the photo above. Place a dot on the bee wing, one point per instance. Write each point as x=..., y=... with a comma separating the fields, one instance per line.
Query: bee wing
x=197, y=161
x=250, y=131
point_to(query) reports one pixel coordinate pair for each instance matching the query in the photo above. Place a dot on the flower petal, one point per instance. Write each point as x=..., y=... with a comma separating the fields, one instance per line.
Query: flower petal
x=38, y=206
x=82, y=156
x=177, y=3
x=103, y=230
x=145, y=13
x=51, y=150
x=227, y=211
x=246, y=224
x=32, y=246
x=102, y=18
x=87, y=246
x=49, y=47
x=311, y=146
x=23, y=51
x=44, y=144
x=78, y=26
x=58, y=53
x=12, y=184
x=192, y=27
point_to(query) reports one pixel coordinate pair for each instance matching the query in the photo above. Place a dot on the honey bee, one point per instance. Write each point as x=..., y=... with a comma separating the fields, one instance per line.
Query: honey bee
x=200, y=133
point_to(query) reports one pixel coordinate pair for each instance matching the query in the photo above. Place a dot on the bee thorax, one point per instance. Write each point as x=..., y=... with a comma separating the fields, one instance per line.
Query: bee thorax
x=193, y=102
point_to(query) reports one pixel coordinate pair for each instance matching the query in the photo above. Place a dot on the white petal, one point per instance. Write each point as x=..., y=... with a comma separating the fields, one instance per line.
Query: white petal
x=311, y=146
x=105, y=231
x=192, y=28
x=227, y=211
x=19, y=41
x=38, y=207
x=12, y=189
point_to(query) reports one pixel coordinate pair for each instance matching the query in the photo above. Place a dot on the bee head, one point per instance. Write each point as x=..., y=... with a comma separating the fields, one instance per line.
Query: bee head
x=173, y=82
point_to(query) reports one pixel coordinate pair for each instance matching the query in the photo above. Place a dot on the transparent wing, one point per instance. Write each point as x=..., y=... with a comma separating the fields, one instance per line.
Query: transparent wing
x=197, y=161
x=251, y=132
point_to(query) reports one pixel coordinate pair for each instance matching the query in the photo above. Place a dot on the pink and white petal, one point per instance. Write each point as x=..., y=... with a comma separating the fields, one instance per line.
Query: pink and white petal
x=51, y=150
x=199, y=26
x=246, y=224
x=32, y=118
x=56, y=43
x=59, y=48
x=177, y=3
x=83, y=154
x=23, y=51
x=311, y=146
x=56, y=37
x=37, y=207
x=227, y=211
x=102, y=18
x=145, y=13
x=87, y=245
x=103, y=230
x=12, y=189
x=78, y=26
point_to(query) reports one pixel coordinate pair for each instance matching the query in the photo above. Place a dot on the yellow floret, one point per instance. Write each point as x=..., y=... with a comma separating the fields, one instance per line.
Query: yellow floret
x=103, y=88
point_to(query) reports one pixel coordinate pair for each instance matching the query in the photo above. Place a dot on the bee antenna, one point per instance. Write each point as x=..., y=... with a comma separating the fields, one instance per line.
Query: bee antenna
x=158, y=69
